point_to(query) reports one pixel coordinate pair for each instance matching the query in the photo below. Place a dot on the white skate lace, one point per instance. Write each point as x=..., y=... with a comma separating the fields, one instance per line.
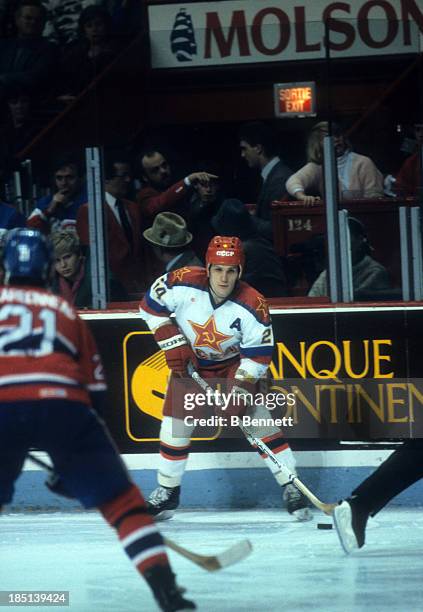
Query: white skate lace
x=159, y=495
x=293, y=494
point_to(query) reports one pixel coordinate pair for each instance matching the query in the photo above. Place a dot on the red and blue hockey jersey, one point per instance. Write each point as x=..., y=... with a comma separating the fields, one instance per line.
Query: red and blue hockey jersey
x=46, y=350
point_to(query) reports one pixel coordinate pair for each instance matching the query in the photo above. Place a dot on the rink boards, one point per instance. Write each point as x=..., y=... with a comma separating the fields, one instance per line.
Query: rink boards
x=356, y=371
x=322, y=345
x=231, y=480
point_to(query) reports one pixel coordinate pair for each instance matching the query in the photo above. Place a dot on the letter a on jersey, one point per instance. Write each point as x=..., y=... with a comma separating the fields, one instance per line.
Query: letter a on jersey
x=207, y=335
x=236, y=324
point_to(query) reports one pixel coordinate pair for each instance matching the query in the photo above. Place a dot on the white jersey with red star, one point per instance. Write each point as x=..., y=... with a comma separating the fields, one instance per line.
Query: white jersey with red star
x=46, y=350
x=239, y=327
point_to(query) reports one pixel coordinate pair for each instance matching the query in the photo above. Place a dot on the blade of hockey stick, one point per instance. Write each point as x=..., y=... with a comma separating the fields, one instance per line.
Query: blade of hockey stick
x=212, y=563
x=257, y=442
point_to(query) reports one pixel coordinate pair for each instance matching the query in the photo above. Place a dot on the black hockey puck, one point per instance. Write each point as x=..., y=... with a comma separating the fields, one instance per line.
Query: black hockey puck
x=324, y=525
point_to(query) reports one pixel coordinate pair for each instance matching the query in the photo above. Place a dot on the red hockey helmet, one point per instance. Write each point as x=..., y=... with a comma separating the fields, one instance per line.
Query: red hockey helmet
x=225, y=251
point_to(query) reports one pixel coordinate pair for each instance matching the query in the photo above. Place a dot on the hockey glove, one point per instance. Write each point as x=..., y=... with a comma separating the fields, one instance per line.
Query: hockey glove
x=242, y=394
x=242, y=388
x=54, y=482
x=177, y=351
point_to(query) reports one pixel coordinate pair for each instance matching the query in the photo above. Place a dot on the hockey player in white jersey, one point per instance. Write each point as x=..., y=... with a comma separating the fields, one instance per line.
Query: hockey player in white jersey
x=223, y=326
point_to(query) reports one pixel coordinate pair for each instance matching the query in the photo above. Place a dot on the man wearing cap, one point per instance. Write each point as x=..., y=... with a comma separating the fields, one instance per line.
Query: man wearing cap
x=222, y=327
x=170, y=239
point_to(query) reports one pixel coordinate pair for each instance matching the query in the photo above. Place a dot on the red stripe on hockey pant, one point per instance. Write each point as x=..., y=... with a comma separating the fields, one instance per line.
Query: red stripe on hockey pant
x=172, y=458
x=174, y=449
x=274, y=436
x=136, y=529
x=117, y=507
x=174, y=452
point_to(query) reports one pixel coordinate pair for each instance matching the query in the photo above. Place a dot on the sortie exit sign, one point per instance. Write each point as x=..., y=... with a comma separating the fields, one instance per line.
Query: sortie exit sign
x=295, y=99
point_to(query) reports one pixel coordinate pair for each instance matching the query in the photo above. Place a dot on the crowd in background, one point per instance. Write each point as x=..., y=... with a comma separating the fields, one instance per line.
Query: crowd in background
x=157, y=222
x=50, y=51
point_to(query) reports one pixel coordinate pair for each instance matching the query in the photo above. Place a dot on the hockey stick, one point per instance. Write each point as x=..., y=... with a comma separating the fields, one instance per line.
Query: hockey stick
x=212, y=563
x=258, y=443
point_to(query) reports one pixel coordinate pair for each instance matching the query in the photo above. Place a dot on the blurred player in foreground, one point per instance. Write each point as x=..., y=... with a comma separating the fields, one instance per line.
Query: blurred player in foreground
x=51, y=383
x=223, y=327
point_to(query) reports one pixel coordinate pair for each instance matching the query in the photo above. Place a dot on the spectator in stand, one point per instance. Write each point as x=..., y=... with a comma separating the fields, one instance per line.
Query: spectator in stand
x=408, y=180
x=90, y=54
x=158, y=193
x=357, y=174
x=259, y=149
x=18, y=128
x=170, y=238
x=123, y=221
x=62, y=19
x=63, y=15
x=72, y=279
x=27, y=60
x=58, y=211
x=204, y=204
x=368, y=274
x=263, y=268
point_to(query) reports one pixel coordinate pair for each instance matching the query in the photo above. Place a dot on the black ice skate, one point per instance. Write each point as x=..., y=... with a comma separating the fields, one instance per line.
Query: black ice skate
x=350, y=524
x=296, y=503
x=167, y=593
x=163, y=502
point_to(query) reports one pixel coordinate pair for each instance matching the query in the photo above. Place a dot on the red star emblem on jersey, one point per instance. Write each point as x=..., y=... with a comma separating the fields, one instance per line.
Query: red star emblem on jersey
x=207, y=335
x=262, y=307
x=178, y=274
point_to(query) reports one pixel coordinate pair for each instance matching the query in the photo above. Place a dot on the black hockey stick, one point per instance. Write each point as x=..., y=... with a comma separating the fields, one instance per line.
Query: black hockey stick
x=211, y=563
x=258, y=443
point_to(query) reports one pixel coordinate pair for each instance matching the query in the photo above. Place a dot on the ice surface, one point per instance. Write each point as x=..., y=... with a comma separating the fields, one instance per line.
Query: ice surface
x=293, y=566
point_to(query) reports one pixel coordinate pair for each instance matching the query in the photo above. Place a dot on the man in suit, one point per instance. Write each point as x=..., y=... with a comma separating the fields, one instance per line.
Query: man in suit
x=123, y=223
x=170, y=238
x=158, y=192
x=259, y=149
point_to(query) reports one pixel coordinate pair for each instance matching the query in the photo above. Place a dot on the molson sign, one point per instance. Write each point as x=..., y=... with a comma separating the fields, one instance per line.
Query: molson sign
x=185, y=35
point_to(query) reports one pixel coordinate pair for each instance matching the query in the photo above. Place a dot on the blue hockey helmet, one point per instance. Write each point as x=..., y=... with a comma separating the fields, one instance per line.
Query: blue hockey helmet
x=27, y=254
